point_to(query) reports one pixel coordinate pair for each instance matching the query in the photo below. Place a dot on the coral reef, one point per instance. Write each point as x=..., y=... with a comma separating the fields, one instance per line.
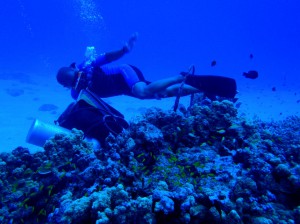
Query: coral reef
x=204, y=164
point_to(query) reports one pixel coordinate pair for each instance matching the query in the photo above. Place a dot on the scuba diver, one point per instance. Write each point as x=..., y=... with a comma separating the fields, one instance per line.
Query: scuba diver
x=95, y=79
x=106, y=80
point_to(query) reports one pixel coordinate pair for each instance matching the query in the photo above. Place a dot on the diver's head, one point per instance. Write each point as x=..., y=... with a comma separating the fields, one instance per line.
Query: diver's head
x=66, y=76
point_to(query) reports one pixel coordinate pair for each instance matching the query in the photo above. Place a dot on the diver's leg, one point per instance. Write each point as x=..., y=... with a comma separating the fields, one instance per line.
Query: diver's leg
x=143, y=90
x=174, y=90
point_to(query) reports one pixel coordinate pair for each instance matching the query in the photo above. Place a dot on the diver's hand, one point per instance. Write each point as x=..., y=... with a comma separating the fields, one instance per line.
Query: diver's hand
x=130, y=43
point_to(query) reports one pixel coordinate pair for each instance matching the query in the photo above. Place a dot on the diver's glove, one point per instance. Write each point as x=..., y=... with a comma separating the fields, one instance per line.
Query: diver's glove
x=130, y=43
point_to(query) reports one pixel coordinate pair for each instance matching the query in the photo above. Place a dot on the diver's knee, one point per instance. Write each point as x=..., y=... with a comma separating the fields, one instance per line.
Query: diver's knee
x=139, y=90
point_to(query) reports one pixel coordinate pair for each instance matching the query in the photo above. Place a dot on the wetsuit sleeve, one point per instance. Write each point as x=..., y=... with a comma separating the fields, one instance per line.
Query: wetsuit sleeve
x=100, y=60
x=115, y=55
x=109, y=57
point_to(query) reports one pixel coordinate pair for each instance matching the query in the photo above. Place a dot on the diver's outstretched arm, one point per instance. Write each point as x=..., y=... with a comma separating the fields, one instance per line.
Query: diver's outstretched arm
x=115, y=55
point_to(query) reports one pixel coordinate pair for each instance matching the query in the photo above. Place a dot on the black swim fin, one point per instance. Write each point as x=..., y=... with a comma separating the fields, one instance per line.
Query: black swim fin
x=213, y=85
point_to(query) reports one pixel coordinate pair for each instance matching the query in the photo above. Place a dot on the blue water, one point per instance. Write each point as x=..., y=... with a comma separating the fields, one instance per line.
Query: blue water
x=41, y=36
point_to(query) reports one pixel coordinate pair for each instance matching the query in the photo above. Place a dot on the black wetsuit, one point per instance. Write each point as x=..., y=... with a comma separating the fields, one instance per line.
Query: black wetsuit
x=107, y=80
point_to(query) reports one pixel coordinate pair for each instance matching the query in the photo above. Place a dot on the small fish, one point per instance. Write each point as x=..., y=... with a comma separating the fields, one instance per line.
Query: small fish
x=251, y=74
x=213, y=63
x=251, y=56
